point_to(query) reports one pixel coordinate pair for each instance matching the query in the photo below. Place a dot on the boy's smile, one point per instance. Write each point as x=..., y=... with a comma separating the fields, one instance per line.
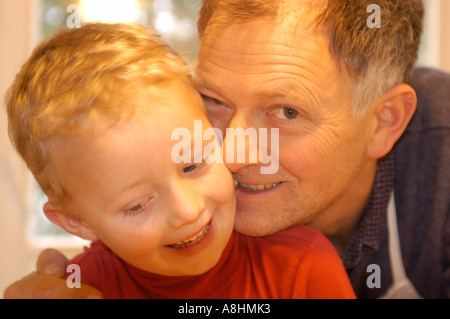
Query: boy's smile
x=160, y=216
x=192, y=240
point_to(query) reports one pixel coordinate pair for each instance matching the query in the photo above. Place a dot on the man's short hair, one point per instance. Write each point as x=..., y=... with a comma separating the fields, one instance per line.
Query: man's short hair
x=375, y=59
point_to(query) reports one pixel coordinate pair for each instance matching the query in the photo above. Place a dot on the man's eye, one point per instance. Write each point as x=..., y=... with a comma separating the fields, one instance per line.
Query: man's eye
x=287, y=113
x=212, y=100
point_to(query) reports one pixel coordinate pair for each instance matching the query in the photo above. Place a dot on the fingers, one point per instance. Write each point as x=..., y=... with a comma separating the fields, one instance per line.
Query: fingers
x=48, y=282
x=86, y=292
x=35, y=286
x=17, y=291
x=51, y=262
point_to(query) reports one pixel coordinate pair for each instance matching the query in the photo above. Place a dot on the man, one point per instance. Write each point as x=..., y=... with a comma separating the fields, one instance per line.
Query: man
x=334, y=85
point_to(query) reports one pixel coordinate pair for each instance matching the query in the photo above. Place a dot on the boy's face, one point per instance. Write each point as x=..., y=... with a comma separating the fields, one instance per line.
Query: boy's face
x=160, y=216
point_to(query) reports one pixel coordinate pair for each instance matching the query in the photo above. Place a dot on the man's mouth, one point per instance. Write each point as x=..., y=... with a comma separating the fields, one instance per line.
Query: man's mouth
x=254, y=187
x=192, y=240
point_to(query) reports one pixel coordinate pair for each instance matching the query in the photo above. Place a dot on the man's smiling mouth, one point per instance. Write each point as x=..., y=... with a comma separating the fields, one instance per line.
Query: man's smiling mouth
x=255, y=188
x=192, y=240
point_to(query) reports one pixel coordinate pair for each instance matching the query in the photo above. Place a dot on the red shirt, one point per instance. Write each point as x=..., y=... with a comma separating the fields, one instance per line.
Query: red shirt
x=296, y=263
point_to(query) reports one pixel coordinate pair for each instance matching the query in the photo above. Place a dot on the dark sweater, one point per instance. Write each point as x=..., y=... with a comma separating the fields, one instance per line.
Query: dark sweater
x=422, y=193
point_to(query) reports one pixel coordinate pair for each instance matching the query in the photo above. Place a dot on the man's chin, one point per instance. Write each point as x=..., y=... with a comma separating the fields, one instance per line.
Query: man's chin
x=256, y=229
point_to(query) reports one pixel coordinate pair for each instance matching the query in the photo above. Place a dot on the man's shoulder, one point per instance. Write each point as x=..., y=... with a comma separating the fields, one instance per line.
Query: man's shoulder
x=432, y=87
x=424, y=148
x=422, y=153
x=422, y=183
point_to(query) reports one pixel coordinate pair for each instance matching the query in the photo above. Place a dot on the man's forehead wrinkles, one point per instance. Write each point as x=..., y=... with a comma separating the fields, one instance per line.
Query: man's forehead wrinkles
x=254, y=48
x=304, y=58
x=203, y=68
x=282, y=68
x=289, y=87
x=301, y=72
x=201, y=79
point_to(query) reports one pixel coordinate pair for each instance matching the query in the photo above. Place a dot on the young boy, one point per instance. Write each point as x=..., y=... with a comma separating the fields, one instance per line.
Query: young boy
x=92, y=113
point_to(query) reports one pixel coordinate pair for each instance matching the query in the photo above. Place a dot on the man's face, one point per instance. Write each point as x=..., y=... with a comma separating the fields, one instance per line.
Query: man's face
x=258, y=75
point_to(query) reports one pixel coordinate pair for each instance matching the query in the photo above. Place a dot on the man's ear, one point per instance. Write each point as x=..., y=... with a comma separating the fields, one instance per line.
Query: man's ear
x=393, y=114
x=70, y=224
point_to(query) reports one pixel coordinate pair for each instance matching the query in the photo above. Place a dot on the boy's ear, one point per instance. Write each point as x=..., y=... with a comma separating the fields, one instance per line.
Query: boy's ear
x=392, y=115
x=70, y=224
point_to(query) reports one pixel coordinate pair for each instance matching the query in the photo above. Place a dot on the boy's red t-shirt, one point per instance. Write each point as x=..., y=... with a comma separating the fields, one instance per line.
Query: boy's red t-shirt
x=296, y=263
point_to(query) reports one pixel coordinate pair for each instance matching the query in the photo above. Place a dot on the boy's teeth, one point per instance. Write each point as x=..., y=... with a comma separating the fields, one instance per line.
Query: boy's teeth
x=193, y=240
x=255, y=188
x=200, y=233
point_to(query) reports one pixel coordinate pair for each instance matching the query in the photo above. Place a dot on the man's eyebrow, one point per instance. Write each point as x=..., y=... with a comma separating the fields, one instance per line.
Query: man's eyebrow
x=200, y=83
x=287, y=90
x=284, y=91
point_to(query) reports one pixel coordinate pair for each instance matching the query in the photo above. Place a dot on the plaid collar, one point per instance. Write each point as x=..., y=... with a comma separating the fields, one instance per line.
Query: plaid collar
x=367, y=237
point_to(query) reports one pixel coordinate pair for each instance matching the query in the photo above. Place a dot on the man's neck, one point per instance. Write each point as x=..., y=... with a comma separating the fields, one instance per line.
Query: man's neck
x=340, y=221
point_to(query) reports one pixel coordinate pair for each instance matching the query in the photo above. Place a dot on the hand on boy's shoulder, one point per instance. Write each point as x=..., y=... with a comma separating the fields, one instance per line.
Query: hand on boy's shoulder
x=48, y=282
x=35, y=286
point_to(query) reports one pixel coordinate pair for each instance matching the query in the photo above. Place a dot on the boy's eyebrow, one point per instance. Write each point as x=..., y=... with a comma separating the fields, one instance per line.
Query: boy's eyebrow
x=115, y=199
x=190, y=147
x=133, y=184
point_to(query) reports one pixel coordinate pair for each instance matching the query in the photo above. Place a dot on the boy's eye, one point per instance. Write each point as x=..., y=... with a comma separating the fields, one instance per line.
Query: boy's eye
x=191, y=168
x=136, y=209
x=200, y=162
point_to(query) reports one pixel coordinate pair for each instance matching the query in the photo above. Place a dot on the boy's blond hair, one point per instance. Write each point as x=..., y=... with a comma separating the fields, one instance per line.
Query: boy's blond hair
x=78, y=76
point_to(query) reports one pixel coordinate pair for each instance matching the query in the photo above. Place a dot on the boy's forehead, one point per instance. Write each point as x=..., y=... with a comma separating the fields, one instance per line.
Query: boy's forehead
x=177, y=105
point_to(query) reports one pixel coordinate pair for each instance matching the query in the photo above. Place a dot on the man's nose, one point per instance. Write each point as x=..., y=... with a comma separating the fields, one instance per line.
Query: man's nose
x=186, y=204
x=240, y=144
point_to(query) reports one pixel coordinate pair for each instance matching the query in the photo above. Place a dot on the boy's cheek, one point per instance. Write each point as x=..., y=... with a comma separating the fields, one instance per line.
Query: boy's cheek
x=223, y=182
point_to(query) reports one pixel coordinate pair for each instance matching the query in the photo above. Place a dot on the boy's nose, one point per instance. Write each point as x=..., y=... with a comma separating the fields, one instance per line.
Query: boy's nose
x=187, y=205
